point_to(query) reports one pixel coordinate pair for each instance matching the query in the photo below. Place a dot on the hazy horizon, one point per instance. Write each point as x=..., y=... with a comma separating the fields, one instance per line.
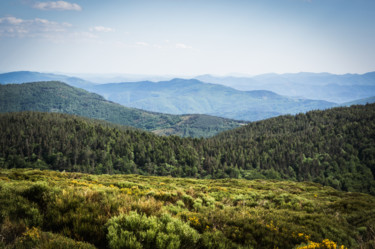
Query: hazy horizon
x=104, y=78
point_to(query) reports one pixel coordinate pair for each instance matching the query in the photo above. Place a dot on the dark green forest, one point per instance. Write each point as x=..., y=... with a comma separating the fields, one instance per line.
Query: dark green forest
x=53, y=96
x=334, y=147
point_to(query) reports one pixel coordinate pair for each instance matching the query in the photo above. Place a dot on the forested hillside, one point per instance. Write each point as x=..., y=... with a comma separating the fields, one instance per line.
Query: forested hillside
x=52, y=96
x=334, y=147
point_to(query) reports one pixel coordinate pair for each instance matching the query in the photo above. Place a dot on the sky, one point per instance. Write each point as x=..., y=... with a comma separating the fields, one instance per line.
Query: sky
x=187, y=37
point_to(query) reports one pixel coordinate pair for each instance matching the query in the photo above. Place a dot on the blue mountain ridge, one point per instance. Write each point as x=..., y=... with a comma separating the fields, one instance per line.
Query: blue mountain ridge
x=193, y=96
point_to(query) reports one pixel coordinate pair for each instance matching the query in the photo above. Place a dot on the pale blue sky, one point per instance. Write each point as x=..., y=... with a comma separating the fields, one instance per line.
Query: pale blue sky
x=187, y=37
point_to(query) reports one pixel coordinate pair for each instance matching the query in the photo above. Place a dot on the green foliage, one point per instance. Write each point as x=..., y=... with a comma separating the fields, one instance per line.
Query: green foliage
x=218, y=240
x=139, y=231
x=34, y=238
x=157, y=212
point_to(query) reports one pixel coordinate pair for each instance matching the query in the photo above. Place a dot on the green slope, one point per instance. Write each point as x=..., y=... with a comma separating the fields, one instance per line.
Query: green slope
x=46, y=209
x=58, y=97
x=334, y=147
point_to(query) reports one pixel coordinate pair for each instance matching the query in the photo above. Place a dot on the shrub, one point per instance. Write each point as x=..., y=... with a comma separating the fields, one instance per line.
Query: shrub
x=217, y=240
x=34, y=238
x=180, y=203
x=37, y=193
x=139, y=231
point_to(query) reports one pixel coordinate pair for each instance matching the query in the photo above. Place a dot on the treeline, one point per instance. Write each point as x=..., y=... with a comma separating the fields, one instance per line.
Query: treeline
x=335, y=147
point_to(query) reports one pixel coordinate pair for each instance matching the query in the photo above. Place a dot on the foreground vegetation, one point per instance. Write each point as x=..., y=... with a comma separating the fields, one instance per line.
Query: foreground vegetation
x=334, y=147
x=48, y=209
x=53, y=96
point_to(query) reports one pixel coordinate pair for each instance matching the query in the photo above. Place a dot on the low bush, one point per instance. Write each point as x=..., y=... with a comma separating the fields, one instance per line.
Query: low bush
x=139, y=231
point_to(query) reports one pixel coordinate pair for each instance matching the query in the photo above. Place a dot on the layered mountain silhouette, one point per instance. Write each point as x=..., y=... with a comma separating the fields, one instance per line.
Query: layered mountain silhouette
x=325, y=86
x=179, y=96
x=192, y=96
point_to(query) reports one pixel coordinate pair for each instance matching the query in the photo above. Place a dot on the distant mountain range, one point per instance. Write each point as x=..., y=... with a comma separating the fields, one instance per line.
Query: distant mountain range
x=55, y=96
x=192, y=96
x=324, y=86
x=360, y=102
x=179, y=96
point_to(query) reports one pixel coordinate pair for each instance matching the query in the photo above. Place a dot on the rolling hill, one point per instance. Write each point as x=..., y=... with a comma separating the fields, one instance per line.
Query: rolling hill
x=179, y=96
x=335, y=147
x=59, y=97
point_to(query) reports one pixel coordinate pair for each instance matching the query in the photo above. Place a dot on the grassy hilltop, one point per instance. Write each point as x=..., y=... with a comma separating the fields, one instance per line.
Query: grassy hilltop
x=47, y=209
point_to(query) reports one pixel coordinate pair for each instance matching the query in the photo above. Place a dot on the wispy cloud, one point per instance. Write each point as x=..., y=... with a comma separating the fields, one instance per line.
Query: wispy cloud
x=183, y=46
x=101, y=29
x=11, y=20
x=57, y=5
x=16, y=27
x=82, y=36
x=166, y=45
x=142, y=44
